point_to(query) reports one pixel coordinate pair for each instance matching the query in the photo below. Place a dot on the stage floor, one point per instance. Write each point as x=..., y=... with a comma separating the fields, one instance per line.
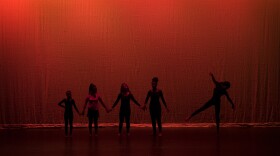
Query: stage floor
x=256, y=141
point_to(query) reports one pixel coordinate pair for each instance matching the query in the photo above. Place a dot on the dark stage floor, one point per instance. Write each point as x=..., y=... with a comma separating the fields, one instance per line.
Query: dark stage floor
x=175, y=141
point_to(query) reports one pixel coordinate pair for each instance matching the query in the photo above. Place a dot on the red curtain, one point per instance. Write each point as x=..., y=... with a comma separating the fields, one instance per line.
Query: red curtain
x=48, y=47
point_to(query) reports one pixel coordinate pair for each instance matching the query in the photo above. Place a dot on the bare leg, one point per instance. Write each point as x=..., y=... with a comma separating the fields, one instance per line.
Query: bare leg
x=204, y=107
x=127, y=120
x=121, y=118
x=90, y=120
x=217, y=115
x=158, y=116
x=66, y=125
x=153, y=118
x=95, y=120
x=71, y=124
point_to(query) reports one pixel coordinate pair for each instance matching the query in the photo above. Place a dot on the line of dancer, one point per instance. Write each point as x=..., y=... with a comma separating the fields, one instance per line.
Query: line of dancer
x=154, y=95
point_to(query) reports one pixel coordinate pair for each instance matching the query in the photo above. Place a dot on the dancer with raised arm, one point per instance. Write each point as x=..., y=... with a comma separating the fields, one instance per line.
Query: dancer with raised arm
x=219, y=90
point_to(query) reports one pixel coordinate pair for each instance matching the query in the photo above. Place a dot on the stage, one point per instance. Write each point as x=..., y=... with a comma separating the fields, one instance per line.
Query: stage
x=52, y=47
x=175, y=141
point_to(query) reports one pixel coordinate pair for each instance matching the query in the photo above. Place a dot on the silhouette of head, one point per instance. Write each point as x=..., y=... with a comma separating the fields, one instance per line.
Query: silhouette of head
x=226, y=84
x=92, y=89
x=154, y=82
x=124, y=88
x=68, y=94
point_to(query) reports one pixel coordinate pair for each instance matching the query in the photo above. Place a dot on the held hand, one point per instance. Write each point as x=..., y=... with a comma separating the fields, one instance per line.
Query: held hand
x=143, y=107
x=167, y=110
x=188, y=119
x=109, y=110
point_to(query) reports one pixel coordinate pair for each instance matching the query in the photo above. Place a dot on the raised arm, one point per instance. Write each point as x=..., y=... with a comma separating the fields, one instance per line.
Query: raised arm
x=61, y=102
x=213, y=79
x=117, y=101
x=229, y=99
x=135, y=101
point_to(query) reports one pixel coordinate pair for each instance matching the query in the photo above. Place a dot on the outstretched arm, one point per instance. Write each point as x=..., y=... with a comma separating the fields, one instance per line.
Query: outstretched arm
x=230, y=101
x=102, y=103
x=117, y=101
x=213, y=79
x=146, y=101
x=135, y=101
x=147, y=98
x=83, y=112
x=60, y=103
x=75, y=107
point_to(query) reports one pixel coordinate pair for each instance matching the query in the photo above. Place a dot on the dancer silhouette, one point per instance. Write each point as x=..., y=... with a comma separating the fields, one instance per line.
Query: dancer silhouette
x=125, y=96
x=93, y=108
x=219, y=90
x=155, y=108
x=68, y=112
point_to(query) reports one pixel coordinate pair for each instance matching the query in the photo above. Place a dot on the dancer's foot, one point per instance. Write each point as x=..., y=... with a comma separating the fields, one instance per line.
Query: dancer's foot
x=188, y=119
